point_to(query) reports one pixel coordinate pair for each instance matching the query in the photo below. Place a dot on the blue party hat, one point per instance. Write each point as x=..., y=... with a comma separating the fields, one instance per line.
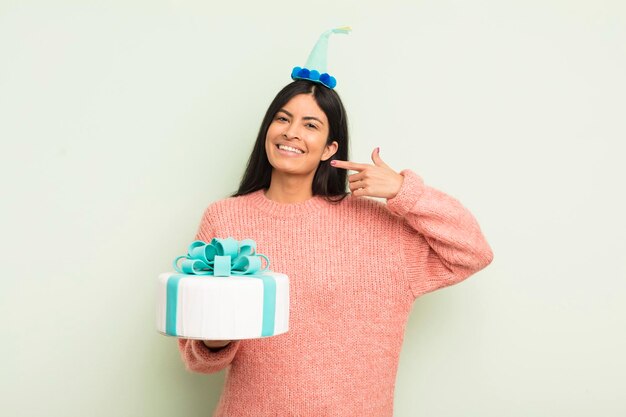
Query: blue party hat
x=315, y=67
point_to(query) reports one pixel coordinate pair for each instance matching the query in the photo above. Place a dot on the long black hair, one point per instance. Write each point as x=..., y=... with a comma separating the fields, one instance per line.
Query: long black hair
x=328, y=181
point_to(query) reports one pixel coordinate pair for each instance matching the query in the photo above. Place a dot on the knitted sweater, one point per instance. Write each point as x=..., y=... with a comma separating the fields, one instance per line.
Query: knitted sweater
x=355, y=269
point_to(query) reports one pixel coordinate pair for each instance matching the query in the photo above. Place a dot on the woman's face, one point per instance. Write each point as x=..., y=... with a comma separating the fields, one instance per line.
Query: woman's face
x=296, y=139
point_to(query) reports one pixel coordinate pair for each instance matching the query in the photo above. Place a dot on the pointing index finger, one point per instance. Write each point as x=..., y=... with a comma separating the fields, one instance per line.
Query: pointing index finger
x=353, y=166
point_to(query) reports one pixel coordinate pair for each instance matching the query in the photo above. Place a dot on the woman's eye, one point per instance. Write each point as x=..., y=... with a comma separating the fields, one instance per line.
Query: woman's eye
x=311, y=125
x=281, y=118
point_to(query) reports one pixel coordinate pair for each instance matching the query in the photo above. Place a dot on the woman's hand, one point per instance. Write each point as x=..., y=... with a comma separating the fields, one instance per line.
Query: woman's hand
x=216, y=344
x=377, y=180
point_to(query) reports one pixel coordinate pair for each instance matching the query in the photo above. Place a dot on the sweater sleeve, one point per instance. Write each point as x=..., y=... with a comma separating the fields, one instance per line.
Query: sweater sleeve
x=441, y=241
x=196, y=356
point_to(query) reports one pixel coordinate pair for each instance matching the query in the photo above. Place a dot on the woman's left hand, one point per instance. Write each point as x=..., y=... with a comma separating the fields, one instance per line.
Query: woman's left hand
x=377, y=180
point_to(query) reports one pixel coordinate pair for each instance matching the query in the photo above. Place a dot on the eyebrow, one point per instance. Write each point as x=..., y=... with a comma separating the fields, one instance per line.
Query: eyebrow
x=304, y=118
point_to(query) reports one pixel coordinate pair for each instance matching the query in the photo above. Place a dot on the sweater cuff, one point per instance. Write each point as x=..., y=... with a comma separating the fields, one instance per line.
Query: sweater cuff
x=199, y=358
x=410, y=191
x=207, y=355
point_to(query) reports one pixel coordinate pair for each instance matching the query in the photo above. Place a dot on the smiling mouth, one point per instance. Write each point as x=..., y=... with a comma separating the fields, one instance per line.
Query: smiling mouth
x=290, y=149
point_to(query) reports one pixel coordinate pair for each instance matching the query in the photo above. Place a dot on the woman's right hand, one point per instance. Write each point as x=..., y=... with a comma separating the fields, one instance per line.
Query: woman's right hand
x=216, y=344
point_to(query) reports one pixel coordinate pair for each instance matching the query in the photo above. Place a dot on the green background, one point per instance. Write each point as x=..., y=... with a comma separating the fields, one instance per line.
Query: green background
x=121, y=121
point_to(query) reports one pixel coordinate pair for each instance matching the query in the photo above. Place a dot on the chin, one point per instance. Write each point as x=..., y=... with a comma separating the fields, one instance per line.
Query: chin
x=285, y=169
x=288, y=171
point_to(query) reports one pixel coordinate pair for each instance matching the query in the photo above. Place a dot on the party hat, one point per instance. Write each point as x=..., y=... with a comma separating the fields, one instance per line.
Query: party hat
x=315, y=67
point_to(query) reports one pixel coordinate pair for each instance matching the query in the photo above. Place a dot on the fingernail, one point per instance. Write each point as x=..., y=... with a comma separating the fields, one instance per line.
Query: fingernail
x=378, y=150
x=333, y=162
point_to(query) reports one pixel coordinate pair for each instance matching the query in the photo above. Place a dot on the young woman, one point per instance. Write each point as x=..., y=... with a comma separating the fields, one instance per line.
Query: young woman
x=355, y=264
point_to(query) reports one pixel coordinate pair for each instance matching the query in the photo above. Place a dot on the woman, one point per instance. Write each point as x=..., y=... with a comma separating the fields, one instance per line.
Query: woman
x=355, y=264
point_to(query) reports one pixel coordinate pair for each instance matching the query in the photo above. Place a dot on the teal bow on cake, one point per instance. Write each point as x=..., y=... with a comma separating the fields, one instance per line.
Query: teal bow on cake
x=221, y=258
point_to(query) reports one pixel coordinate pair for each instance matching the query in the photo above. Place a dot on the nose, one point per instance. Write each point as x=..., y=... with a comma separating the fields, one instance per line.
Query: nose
x=291, y=132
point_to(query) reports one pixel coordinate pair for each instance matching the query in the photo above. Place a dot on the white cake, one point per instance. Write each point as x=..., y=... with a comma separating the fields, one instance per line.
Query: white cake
x=223, y=308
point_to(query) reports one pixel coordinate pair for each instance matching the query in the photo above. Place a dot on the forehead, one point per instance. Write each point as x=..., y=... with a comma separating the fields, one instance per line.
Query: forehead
x=304, y=105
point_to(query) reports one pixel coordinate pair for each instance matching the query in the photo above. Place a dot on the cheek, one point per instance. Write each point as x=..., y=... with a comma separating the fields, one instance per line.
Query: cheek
x=272, y=132
x=268, y=137
x=318, y=143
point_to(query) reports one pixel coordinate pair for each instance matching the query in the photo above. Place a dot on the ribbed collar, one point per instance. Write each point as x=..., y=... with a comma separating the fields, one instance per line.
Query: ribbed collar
x=312, y=205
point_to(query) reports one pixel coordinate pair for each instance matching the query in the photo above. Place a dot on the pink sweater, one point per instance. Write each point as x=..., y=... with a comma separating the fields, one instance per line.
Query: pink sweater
x=355, y=269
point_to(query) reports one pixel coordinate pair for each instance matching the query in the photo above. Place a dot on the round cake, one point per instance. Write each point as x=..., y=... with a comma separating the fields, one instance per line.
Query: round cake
x=231, y=307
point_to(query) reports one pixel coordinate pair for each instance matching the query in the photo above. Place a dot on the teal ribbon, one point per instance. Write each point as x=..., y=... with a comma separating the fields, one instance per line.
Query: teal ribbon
x=222, y=258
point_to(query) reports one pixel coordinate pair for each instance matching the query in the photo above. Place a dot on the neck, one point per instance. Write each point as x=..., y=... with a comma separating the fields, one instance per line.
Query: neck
x=286, y=188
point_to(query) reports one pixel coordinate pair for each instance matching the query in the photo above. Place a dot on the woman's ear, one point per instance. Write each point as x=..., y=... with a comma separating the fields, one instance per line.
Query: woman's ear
x=330, y=150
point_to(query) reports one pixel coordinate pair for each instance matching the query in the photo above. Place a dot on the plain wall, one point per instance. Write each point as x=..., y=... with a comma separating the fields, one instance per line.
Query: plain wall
x=121, y=121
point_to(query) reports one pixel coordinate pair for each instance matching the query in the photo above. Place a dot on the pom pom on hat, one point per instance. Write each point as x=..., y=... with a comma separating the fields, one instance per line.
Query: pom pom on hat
x=315, y=67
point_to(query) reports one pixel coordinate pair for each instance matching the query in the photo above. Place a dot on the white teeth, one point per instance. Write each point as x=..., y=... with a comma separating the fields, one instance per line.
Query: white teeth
x=289, y=148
